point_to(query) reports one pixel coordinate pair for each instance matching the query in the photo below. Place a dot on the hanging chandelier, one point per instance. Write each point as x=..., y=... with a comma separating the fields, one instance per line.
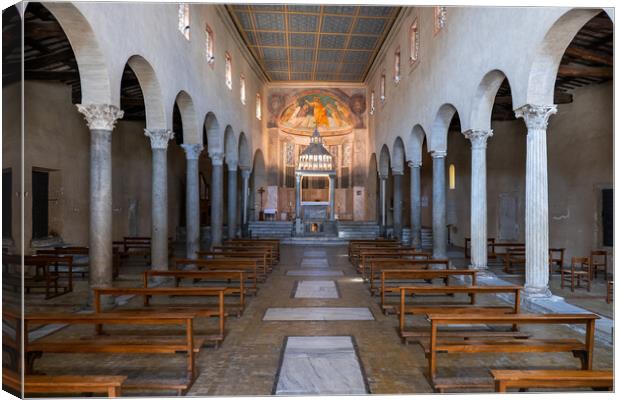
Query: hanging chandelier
x=315, y=157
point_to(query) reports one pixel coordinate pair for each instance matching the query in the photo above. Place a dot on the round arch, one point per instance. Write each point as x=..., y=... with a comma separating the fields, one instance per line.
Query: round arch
x=441, y=123
x=384, y=161
x=398, y=155
x=151, y=91
x=244, y=151
x=230, y=146
x=212, y=129
x=188, y=117
x=416, y=139
x=484, y=99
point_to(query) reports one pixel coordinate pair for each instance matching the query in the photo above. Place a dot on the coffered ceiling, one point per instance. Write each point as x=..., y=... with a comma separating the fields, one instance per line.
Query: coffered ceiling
x=313, y=42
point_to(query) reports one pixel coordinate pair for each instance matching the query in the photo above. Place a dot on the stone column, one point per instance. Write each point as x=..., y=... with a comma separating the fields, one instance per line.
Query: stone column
x=297, y=196
x=398, y=203
x=536, y=200
x=159, y=194
x=245, y=184
x=192, y=200
x=101, y=119
x=232, y=199
x=382, y=202
x=217, y=197
x=415, y=204
x=332, y=198
x=440, y=231
x=478, y=205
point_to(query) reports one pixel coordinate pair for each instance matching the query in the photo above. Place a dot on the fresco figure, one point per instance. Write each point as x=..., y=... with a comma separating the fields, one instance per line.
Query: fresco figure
x=320, y=113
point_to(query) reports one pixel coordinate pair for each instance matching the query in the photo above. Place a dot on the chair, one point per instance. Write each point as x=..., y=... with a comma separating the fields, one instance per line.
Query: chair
x=556, y=258
x=598, y=259
x=579, y=268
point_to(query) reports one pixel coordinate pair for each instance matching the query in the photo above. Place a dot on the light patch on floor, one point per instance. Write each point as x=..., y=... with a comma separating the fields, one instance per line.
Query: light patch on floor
x=318, y=314
x=314, y=254
x=320, y=365
x=316, y=290
x=313, y=272
x=314, y=263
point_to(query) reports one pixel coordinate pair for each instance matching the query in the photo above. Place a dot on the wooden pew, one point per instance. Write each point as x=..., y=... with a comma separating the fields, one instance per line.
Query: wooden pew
x=259, y=257
x=452, y=307
x=495, y=245
x=393, y=279
x=221, y=278
x=583, y=350
x=396, y=254
x=275, y=244
x=247, y=266
x=236, y=248
x=514, y=257
x=468, y=245
x=379, y=265
x=111, y=344
x=198, y=309
x=65, y=384
x=557, y=379
x=355, y=248
x=42, y=278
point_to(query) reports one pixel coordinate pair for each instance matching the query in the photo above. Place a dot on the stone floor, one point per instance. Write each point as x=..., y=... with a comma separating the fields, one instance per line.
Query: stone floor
x=249, y=360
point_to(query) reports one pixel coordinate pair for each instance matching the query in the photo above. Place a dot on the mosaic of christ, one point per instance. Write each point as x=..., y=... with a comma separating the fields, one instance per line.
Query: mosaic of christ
x=317, y=109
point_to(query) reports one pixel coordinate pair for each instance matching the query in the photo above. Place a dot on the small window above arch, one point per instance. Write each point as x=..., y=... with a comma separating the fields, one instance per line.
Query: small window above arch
x=228, y=71
x=184, y=19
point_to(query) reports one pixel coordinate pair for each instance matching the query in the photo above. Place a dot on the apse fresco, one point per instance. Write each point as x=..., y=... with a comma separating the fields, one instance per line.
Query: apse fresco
x=335, y=112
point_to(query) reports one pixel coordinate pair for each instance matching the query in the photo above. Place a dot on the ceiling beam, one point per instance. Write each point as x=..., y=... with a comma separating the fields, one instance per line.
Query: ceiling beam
x=558, y=98
x=594, y=72
x=589, y=55
x=50, y=75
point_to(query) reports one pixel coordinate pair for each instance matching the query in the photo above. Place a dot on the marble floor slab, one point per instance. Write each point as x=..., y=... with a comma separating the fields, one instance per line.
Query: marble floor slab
x=318, y=314
x=316, y=290
x=320, y=365
x=314, y=254
x=313, y=272
x=314, y=263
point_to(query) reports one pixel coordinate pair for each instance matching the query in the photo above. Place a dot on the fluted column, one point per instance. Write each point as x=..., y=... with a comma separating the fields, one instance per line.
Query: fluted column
x=159, y=193
x=536, y=200
x=101, y=119
x=332, y=198
x=398, y=202
x=232, y=199
x=440, y=231
x=478, y=225
x=415, y=204
x=217, y=197
x=245, y=188
x=192, y=200
x=382, y=202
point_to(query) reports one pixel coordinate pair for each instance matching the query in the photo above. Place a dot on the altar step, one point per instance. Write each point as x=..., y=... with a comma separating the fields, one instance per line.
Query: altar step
x=358, y=230
x=271, y=229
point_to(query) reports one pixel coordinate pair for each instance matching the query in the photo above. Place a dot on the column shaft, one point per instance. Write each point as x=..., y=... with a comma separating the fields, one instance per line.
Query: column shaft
x=159, y=211
x=440, y=232
x=232, y=203
x=192, y=200
x=298, y=196
x=415, y=204
x=217, y=198
x=332, y=198
x=382, y=203
x=398, y=203
x=245, y=183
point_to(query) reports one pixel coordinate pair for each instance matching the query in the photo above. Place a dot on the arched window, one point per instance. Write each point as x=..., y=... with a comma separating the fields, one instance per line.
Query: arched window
x=372, y=102
x=228, y=71
x=259, y=112
x=397, y=65
x=441, y=14
x=414, y=42
x=209, y=43
x=184, y=19
x=242, y=89
x=452, y=177
x=382, y=87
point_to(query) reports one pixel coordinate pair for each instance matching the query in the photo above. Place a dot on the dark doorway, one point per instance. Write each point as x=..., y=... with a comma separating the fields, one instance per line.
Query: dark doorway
x=40, y=204
x=7, y=205
x=608, y=217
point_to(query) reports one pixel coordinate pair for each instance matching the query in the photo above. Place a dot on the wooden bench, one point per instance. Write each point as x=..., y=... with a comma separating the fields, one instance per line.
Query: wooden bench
x=468, y=245
x=393, y=254
x=392, y=280
x=558, y=379
x=275, y=244
x=65, y=384
x=355, y=248
x=493, y=247
x=41, y=278
x=245, y=265
x=379, y=265
x=141, y=344
x=140, y=246
x=514, y=257
x=232, y=280
x=456, y=308
x=254, y=249
x=259, y=258
x=198, y=309
x=582, y=350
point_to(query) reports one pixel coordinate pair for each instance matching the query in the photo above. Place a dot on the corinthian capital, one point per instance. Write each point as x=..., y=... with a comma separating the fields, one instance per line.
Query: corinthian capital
x=478, y=137
x=192, y=151
x=414, y=164
x=100, y=116
x=159, y=137
x=438, y=153
x=536, y=117
x=246, y=172
x=217, y=158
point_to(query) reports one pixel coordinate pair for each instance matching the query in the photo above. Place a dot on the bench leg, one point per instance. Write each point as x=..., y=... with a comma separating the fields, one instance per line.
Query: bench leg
x=114, y=391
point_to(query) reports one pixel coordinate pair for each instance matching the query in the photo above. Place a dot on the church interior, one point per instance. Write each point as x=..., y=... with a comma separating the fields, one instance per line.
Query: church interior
x=205, y=199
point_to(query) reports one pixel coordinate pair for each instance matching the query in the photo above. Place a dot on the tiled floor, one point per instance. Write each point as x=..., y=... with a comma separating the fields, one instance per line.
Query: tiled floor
x=248, y=361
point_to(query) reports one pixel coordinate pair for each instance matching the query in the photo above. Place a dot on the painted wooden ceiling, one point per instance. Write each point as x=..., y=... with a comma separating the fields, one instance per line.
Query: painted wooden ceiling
x=313, y=42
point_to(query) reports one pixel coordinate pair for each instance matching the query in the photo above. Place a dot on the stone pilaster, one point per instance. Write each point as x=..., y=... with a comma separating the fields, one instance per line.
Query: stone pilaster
x=101, y=119
x=415, y=204
x=217, y=197
x=232, y=199
x=159, y=193
x=440, y=230
x=246, y=172
x=398, y=202
x=536, y=200
x=478, y=234
x=192, y=200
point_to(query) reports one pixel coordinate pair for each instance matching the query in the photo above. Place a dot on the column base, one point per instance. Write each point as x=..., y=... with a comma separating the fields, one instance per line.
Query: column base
x=483, y=270
x=532, y=292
